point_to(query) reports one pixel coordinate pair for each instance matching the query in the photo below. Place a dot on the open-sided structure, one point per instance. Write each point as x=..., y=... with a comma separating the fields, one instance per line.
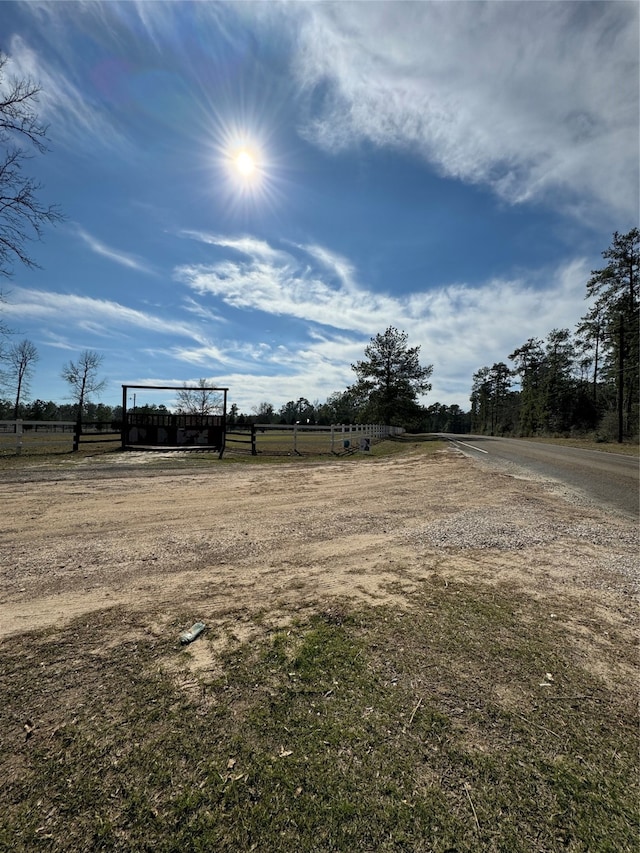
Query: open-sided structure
x=143, y=430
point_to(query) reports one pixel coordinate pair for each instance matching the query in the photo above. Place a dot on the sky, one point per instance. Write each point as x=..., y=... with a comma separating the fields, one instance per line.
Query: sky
x=254, y=191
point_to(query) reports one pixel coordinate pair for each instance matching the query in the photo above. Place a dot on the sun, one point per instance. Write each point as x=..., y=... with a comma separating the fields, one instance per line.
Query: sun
x=245, y=163
x=246, y=173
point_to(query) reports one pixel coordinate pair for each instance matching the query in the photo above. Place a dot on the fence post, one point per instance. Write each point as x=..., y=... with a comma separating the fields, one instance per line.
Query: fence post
x=254, y=451
x=76, y=436
x=19, y=435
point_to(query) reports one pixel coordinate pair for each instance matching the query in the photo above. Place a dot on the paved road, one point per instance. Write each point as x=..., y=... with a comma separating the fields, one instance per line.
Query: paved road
x=608, y=479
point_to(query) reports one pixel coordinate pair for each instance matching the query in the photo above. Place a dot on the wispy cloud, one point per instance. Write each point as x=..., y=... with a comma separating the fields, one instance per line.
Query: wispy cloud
x=277, y=282
x=77, y=121
x=88, y=314
x=119, y=257
x=333, y=263
x=537, y=101
x=455, y=325
x=246, y=245
x=527, y=98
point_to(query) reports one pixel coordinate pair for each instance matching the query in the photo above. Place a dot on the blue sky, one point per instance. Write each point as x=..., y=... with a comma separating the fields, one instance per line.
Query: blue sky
x=454, y=169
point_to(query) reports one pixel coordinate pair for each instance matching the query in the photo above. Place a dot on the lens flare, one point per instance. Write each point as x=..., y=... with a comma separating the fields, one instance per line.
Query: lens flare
x=247, y=172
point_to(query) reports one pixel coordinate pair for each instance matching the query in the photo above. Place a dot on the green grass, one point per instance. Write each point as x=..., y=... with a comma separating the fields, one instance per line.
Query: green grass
x=281, y=441
x=41, y=446
x=355, y=730
x=627, y=448
x=97, y=450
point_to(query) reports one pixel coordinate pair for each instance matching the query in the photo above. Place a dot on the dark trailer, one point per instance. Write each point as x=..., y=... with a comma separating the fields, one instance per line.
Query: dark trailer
x=146, y=431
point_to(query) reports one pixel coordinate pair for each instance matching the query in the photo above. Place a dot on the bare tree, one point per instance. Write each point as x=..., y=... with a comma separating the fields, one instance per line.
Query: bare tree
x=203, y=400
x=82, y=376
x=21, y=359
x=5, y=330
x=264, y=412
x=22, y=216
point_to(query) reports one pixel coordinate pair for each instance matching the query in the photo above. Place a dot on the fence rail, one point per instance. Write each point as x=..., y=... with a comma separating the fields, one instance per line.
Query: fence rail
x=22, y=436
x=307, y=439
x=269, y=439
x=16, y=436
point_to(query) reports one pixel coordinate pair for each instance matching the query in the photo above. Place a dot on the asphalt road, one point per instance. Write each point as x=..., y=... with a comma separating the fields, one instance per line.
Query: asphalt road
x=609, y=480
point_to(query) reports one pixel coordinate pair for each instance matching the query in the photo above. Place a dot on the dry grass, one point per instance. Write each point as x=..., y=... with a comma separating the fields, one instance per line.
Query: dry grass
x=627, y=448
x=460, y=723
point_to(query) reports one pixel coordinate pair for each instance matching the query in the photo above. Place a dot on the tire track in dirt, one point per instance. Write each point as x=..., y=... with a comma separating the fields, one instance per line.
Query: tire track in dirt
x=285, y=537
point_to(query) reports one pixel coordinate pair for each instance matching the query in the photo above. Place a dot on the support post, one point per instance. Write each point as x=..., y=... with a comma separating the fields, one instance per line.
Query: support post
x=123, y=427
x=621, y=382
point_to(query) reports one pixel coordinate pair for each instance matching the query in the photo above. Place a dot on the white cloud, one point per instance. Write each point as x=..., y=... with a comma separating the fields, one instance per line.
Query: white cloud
x=246, y=245
x=205, y=314
x=75, y=119
x=86, y=313
x=277, y=282
x=462, y=329
x=528, y=98
x=334, y=263
x=459, y=328
x=123, y=258
x=202, y=355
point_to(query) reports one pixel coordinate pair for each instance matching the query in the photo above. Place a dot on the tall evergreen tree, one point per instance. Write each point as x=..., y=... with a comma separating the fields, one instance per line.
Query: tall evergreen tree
x=481, y=401
x=590, y=343
x=500, y=385
x=558, y=386
x=491, y=406
x=529, y=360
x=615, y=289
x=391, y=378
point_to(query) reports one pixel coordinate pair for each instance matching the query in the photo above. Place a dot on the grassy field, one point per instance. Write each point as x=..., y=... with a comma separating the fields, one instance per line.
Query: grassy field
x=272, y=448
x=268, y=443
x=431, y=729
x=302, y=442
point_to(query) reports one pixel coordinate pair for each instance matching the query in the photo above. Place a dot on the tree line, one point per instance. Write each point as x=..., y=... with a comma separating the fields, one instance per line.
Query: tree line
x=389, y=380
x=585, y=381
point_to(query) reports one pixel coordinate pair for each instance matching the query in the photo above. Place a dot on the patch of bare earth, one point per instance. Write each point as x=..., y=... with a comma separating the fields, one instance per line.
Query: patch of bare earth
x=230, y=543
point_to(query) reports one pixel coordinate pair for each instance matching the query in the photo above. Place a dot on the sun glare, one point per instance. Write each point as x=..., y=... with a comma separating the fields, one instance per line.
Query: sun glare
x=245, y=163
x=246, y=171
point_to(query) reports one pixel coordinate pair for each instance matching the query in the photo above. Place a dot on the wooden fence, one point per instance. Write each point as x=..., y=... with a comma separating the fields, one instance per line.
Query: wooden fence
x=52, y=436
x=269, y=439
x=305, y=439
x=39, y=436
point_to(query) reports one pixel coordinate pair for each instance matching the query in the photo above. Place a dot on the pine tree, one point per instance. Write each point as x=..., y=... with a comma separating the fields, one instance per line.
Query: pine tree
x=615, y=290
x=390, y=378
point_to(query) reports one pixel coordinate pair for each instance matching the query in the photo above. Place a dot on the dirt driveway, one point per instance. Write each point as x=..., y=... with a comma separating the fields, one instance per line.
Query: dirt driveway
x=227, y=542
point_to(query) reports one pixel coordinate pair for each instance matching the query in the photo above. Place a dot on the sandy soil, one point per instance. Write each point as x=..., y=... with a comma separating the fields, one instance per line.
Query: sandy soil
x=225, y=543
